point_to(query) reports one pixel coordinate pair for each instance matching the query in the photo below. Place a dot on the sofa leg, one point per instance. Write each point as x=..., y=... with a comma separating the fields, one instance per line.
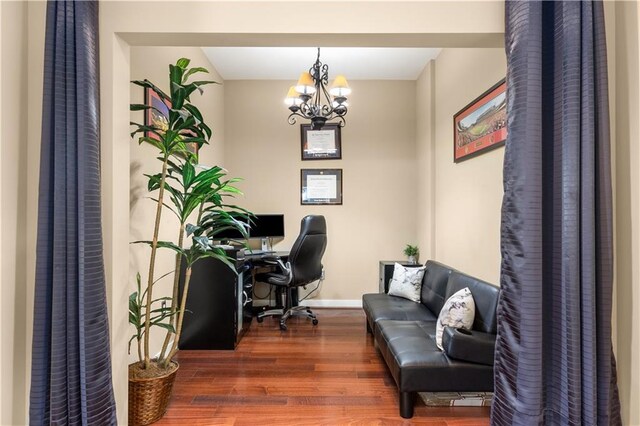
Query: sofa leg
x=369, y=331
x=407, y=401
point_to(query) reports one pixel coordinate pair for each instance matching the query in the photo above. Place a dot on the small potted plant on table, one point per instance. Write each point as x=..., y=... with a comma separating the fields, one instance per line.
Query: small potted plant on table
x=412, y=253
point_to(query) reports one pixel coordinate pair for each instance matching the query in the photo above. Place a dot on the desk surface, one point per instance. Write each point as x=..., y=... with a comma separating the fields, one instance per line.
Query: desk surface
x=262, y=255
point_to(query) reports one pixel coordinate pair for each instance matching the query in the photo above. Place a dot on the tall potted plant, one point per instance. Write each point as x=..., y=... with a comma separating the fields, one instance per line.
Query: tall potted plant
x=188, y=192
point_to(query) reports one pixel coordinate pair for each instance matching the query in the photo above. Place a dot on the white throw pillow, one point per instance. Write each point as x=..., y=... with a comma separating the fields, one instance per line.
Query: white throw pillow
x=406, y=282
x=458, y=311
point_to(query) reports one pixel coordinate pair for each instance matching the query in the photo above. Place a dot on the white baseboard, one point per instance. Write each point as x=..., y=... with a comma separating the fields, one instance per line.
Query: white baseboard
x=332, y=303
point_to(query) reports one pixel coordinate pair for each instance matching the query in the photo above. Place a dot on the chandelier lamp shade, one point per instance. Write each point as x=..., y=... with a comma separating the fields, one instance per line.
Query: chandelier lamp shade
x=309, y=99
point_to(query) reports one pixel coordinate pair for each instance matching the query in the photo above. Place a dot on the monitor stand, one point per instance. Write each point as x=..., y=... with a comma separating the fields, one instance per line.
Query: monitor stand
x=266, y=244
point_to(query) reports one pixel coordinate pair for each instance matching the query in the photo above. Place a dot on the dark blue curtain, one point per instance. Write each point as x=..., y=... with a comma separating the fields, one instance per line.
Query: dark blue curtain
x=71, y=366
x=554, y=360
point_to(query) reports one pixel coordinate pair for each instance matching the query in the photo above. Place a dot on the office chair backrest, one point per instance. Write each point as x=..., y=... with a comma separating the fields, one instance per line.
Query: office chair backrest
x=306, y=254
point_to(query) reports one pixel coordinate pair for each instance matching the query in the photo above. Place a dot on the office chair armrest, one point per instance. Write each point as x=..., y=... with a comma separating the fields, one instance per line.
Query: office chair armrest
x=275, y=260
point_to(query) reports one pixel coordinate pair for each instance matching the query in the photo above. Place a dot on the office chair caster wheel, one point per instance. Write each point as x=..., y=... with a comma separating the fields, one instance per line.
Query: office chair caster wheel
x=314, y=322
x=259, y=319
x=283, y=327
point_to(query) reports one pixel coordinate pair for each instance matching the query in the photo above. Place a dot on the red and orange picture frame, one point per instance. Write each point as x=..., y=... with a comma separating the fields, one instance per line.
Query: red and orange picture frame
x=159, y=117
x=481, y=125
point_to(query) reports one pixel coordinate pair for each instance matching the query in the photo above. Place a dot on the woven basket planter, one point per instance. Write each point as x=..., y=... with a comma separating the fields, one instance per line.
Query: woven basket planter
x=149, y=397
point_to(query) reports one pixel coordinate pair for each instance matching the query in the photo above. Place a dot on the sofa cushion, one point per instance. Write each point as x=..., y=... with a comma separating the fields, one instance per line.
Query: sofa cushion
x=406, y=282
x=434, y=285
x=382, y=306
x=485, y=297
x=466, y=345
x=458, y=311
x=416, y=364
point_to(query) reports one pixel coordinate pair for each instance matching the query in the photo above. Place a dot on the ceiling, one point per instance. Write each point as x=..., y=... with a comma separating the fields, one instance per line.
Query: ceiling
x=286, y=63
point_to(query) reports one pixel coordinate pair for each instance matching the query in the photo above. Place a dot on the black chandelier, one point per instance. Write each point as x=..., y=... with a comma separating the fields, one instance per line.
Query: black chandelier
x=310, y=99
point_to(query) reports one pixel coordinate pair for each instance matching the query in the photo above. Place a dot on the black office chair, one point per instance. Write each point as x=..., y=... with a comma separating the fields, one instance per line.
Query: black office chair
x=303, y=267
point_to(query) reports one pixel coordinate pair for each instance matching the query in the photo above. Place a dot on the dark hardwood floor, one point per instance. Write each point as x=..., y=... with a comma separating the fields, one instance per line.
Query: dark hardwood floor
x=330, y=374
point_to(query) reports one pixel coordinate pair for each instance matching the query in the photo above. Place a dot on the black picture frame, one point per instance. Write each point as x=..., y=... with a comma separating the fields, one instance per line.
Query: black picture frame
x=321, y=186
x=323, y=148
x=487, y=127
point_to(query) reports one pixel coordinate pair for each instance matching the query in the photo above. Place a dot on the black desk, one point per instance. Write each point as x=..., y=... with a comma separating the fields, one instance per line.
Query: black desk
x=219, y=304
x=257, y=257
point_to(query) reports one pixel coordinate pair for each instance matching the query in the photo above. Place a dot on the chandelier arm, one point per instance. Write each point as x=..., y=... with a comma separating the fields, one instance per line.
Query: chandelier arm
x=305, y=110
x=292, y=117
x=329, y=106
x=326, y=111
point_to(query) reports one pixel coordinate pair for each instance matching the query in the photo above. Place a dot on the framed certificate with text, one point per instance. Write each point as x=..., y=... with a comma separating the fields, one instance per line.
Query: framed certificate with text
x=321, y=186
x=323, y=144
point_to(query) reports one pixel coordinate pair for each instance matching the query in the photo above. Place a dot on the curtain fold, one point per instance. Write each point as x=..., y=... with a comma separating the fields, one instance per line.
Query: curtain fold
x=554, y=358
x=71, y=366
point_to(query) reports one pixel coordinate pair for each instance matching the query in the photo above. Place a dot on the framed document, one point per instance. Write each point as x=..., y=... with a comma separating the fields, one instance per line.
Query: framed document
x=323, y=144
x=321, y=186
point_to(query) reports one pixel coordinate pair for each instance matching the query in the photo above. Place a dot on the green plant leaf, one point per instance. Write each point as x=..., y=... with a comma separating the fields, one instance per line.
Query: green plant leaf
x=142, y=107
x=188, y=175
x=161, y=277
x=153, y=182
x=165, y=326
x=129, y=345
x=202, y=242
x=191, y=229
x=194, y=111
x=192, y=71
x=183, y=62
x=178, y=93
x=162, y=244
x=146, y=83
x=171, y=209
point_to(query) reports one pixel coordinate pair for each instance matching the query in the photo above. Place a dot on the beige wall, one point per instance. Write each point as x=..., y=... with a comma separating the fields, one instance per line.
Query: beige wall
x=426, y=166
x=377, y=217
x=13, y=168
x=468, y=195
x=627, y=183
x=152, y=63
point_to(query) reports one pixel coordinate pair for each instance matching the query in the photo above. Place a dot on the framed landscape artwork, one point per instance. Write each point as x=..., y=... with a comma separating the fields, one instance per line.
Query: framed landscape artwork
x=159, y=117
x=482, y=125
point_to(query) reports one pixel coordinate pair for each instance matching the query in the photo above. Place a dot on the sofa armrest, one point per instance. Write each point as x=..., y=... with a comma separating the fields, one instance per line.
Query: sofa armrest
x=469, y=345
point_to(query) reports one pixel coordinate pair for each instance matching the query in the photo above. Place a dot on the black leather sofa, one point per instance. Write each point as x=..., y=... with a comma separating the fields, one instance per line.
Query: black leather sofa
x=404, y=332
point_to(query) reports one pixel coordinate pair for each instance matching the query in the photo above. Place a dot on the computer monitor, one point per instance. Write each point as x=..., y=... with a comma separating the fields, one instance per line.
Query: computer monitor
x=267, y=226
x=262, y=226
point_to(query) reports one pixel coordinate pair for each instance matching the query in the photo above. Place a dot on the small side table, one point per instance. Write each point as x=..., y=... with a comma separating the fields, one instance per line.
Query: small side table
x=386, y=272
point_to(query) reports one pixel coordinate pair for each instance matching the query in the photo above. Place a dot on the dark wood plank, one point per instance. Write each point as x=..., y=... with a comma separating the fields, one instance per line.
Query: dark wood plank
x=324, y=375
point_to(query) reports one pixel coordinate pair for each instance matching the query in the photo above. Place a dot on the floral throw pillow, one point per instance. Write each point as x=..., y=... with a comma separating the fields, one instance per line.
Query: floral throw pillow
x=406, y=282
x=458, y=311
